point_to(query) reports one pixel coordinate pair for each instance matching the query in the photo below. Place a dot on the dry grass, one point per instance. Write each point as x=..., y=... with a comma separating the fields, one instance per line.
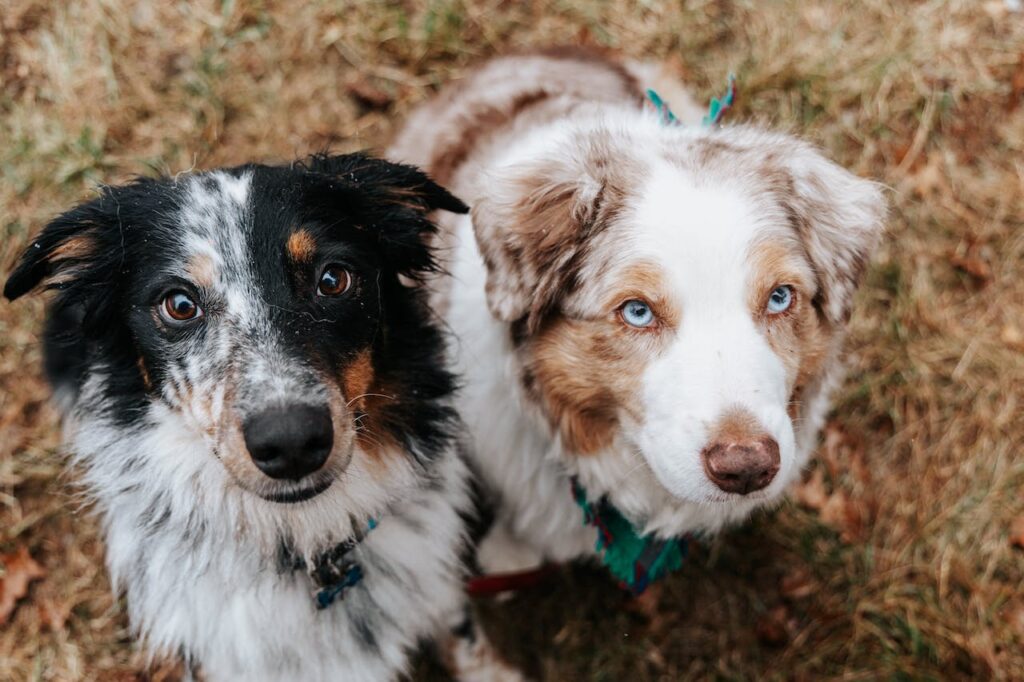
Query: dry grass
x=899, y=562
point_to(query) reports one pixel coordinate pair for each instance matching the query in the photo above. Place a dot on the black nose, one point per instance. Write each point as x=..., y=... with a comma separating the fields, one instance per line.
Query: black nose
x=289, y=442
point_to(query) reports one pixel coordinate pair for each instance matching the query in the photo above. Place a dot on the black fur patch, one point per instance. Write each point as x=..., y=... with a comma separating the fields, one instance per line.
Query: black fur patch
x=109, y=260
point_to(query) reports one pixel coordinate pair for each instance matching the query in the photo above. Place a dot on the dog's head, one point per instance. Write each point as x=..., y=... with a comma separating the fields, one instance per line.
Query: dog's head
x=253, y=314
x=673, y=294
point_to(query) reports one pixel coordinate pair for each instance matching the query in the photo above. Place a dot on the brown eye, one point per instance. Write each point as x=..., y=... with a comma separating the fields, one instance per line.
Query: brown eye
x=178, y=306
x=334, y=282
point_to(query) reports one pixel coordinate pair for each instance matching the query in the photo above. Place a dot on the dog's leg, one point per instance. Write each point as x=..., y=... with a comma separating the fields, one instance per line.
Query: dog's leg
x=468, y=654
x=502, y=552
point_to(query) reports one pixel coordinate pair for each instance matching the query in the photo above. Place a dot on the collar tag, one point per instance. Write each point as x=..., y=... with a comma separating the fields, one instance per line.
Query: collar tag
x=336, y=569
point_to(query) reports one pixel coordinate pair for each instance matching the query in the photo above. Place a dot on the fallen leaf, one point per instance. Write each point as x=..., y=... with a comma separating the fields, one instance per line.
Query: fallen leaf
x=1012, y=336
x=52, y=614
x=771, y=627
x=367, y=94
x=845, y=516
x=811, y=493
x=19, y=571
x=1015, y=613
x=973, y=266
x=1016, y=85
x=797, y=584
x=1017, y=532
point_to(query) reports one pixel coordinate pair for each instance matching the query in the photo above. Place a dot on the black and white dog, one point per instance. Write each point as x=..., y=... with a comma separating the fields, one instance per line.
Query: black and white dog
x=260, y=409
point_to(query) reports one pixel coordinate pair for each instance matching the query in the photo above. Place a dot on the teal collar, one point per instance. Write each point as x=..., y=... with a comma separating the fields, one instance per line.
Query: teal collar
x=635, y=560
x=716, y=109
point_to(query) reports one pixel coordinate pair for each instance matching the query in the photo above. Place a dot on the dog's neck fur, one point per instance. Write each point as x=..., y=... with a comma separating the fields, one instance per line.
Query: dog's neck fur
x=200, y=560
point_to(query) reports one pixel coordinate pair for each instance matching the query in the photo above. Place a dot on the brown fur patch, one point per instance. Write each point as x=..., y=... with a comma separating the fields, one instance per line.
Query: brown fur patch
x=646, y=281
x=536, y=241
x=301, y=246
x=356, y=379
x=800, y=336
x=369, y=401
x=201, y=270
x=81, y=247
x=736, y=426
x=586, y=373
x=478, y=125
x=144, y=373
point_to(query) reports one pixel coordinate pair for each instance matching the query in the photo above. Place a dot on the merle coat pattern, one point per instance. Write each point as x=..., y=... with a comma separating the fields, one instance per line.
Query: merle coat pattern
x=191, y=313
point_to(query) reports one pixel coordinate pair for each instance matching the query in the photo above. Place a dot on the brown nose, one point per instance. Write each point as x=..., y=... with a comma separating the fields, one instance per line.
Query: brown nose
x=742, y=467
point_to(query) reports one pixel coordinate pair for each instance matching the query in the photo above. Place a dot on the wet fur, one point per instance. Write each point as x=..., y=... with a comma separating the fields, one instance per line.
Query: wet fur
x=214, y=570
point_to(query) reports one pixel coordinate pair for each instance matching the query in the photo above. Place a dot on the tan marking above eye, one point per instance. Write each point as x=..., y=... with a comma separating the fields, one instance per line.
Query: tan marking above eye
x=201, y=270
x=301, y=246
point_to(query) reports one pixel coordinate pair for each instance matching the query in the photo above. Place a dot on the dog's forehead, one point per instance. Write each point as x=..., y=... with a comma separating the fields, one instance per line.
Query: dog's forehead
x=700, y=232
x=215, y=217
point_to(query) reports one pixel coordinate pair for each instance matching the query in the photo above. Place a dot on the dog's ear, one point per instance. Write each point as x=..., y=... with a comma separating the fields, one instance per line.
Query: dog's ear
x=840, y=219
x=68, y=251
x=532, y=226
x=395, y=201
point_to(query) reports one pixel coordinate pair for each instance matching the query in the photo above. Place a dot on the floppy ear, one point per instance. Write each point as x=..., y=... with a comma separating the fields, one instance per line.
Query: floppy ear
x=393, y=199
x=840, y=219
x=67, y=251
x=532, y=228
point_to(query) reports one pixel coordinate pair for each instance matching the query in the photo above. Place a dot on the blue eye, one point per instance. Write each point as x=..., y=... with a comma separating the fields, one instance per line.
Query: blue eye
x=636, y=313
x=780, y=300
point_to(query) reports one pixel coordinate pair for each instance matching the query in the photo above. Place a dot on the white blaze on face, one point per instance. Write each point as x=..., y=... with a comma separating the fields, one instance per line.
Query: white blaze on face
x=718, y=361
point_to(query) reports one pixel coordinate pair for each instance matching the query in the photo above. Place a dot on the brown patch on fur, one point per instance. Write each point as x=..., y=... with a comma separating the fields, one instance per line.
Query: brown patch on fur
x=68, y=259
x=372, y=432
x=368, y=400
x=301, y=246
x=356, y=379
x=736, y=426
x=596, y=56
x=800, y=336
x=484, y=120
x=646, y=281
x=585, y=373
x=201, y=270
x=144, y=373
x=536, y=242
x=81, y=247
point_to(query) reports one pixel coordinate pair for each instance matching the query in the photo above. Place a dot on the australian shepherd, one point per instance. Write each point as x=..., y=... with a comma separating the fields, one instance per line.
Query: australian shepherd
x=259, y=406
x=653, y=310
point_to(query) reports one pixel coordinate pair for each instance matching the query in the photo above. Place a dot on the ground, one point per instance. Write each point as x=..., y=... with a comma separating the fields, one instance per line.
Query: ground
x=898, y=557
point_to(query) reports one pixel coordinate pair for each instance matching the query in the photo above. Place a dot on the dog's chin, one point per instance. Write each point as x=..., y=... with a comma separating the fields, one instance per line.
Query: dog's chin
x=298, y=493
x=290, y=493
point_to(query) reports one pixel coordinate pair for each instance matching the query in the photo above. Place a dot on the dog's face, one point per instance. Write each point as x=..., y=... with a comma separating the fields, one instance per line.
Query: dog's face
x=673, y=293
x=258, y=310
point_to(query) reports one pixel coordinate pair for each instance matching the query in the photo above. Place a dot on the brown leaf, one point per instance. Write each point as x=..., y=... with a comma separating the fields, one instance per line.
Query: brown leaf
x=53, y=614
x=811, y=493
x=797, y=584
x=1017, y=532
x=367, y=94
x=1016, y=85
x=845, y=516
x=973, y=266
x=1012, y=336
x=19, y=571
x=771, y=627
